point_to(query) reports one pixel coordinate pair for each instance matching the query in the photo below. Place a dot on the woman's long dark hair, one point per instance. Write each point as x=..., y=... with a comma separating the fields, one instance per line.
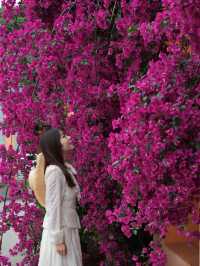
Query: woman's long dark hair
x=51, y=148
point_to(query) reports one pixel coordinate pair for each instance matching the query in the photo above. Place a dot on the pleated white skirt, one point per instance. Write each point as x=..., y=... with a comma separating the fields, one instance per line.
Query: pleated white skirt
x=50, y=257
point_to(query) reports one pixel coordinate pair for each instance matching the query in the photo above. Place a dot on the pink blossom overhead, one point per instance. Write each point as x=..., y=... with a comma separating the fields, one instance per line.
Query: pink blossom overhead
x=129, y=73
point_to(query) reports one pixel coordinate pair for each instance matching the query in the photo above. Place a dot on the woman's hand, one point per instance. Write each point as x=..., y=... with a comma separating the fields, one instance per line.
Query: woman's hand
x=61, y=249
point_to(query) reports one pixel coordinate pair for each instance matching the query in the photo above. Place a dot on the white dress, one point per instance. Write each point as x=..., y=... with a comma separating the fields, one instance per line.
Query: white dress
x=61, y=222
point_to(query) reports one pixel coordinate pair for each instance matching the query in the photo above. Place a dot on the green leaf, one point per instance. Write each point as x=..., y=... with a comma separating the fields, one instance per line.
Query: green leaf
x=133, y=88
x=136, y=170
x=176, y=121
x=2, y=21
x=135, y=232
x=84, y=62
x=131, y=29
x=20, y=20
x=164, y=23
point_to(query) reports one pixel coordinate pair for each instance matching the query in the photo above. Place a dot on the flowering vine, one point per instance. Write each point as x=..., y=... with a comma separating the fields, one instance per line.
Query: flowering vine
x=129, y=70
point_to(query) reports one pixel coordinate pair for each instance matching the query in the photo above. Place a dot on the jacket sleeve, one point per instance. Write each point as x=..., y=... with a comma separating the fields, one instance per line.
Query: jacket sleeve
x=54, y=192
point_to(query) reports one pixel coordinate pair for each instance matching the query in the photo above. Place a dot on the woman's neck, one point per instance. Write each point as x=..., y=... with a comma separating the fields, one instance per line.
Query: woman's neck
x=68, y=157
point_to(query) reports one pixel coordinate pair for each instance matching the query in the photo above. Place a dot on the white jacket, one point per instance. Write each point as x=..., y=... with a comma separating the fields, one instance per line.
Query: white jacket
x=60, y=203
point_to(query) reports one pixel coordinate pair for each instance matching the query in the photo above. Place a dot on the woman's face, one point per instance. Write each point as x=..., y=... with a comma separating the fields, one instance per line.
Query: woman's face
x=66, y=142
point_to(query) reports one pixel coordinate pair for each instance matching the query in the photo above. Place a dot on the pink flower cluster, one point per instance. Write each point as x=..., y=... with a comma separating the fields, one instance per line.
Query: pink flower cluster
x=129, y=70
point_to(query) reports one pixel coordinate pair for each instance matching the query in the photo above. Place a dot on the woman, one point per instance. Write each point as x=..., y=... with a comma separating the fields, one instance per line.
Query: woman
x=60, y=244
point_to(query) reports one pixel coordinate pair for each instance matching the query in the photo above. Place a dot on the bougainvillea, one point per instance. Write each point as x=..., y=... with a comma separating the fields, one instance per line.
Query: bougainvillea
x=129, y=70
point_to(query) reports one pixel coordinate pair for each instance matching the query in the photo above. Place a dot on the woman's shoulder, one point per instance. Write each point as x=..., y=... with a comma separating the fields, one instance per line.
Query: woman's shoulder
x=55, y=174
